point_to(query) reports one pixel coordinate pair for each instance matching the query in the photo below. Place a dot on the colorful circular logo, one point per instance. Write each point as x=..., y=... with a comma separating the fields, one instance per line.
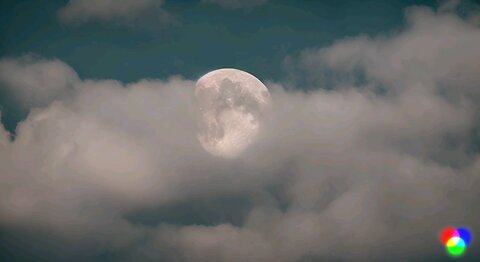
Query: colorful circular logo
x=456, y=240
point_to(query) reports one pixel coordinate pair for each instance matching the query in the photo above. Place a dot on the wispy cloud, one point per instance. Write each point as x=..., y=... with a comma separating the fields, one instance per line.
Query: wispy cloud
x=126, y=11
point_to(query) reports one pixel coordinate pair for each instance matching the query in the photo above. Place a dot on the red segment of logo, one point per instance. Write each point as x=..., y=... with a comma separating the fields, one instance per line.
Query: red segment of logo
x=447, y=233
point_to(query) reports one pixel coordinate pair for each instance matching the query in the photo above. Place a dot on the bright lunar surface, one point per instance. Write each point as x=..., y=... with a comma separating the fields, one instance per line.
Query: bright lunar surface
x=231, y=103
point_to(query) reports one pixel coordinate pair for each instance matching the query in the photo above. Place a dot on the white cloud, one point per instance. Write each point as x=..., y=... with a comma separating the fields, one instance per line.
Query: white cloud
x=345, y=174
x=437, y=50
x=81, y=11
x=36, y=81
x=4, y=135
x=237, y=4
x=227, y=243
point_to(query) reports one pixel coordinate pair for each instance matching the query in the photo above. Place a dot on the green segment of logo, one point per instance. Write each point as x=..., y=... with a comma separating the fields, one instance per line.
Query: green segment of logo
x=456, y=250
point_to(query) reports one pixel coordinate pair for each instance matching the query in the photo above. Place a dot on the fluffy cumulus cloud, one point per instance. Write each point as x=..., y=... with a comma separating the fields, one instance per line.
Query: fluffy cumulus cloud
x=81, y=11
x=368, y=169
x=35, y=81
x=237, y=4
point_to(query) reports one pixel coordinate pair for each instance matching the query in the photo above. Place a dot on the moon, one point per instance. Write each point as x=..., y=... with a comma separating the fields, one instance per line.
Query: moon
x=231, y=104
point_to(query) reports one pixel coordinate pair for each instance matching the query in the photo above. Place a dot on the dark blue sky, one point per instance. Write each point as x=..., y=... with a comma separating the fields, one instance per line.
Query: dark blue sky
x=206, y=37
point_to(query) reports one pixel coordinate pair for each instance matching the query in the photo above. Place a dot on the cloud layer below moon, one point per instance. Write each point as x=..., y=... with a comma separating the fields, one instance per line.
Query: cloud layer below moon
x=366, y=170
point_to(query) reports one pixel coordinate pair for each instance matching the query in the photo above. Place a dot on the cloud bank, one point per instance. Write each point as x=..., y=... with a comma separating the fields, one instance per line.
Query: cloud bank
x=34, y=81
x=369, y=169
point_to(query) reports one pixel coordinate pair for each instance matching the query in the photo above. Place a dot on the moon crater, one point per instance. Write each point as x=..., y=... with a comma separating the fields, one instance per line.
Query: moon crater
x=231, y=103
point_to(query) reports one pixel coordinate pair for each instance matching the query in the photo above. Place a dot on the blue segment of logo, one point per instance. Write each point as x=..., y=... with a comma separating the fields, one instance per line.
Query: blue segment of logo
x=465, y=235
